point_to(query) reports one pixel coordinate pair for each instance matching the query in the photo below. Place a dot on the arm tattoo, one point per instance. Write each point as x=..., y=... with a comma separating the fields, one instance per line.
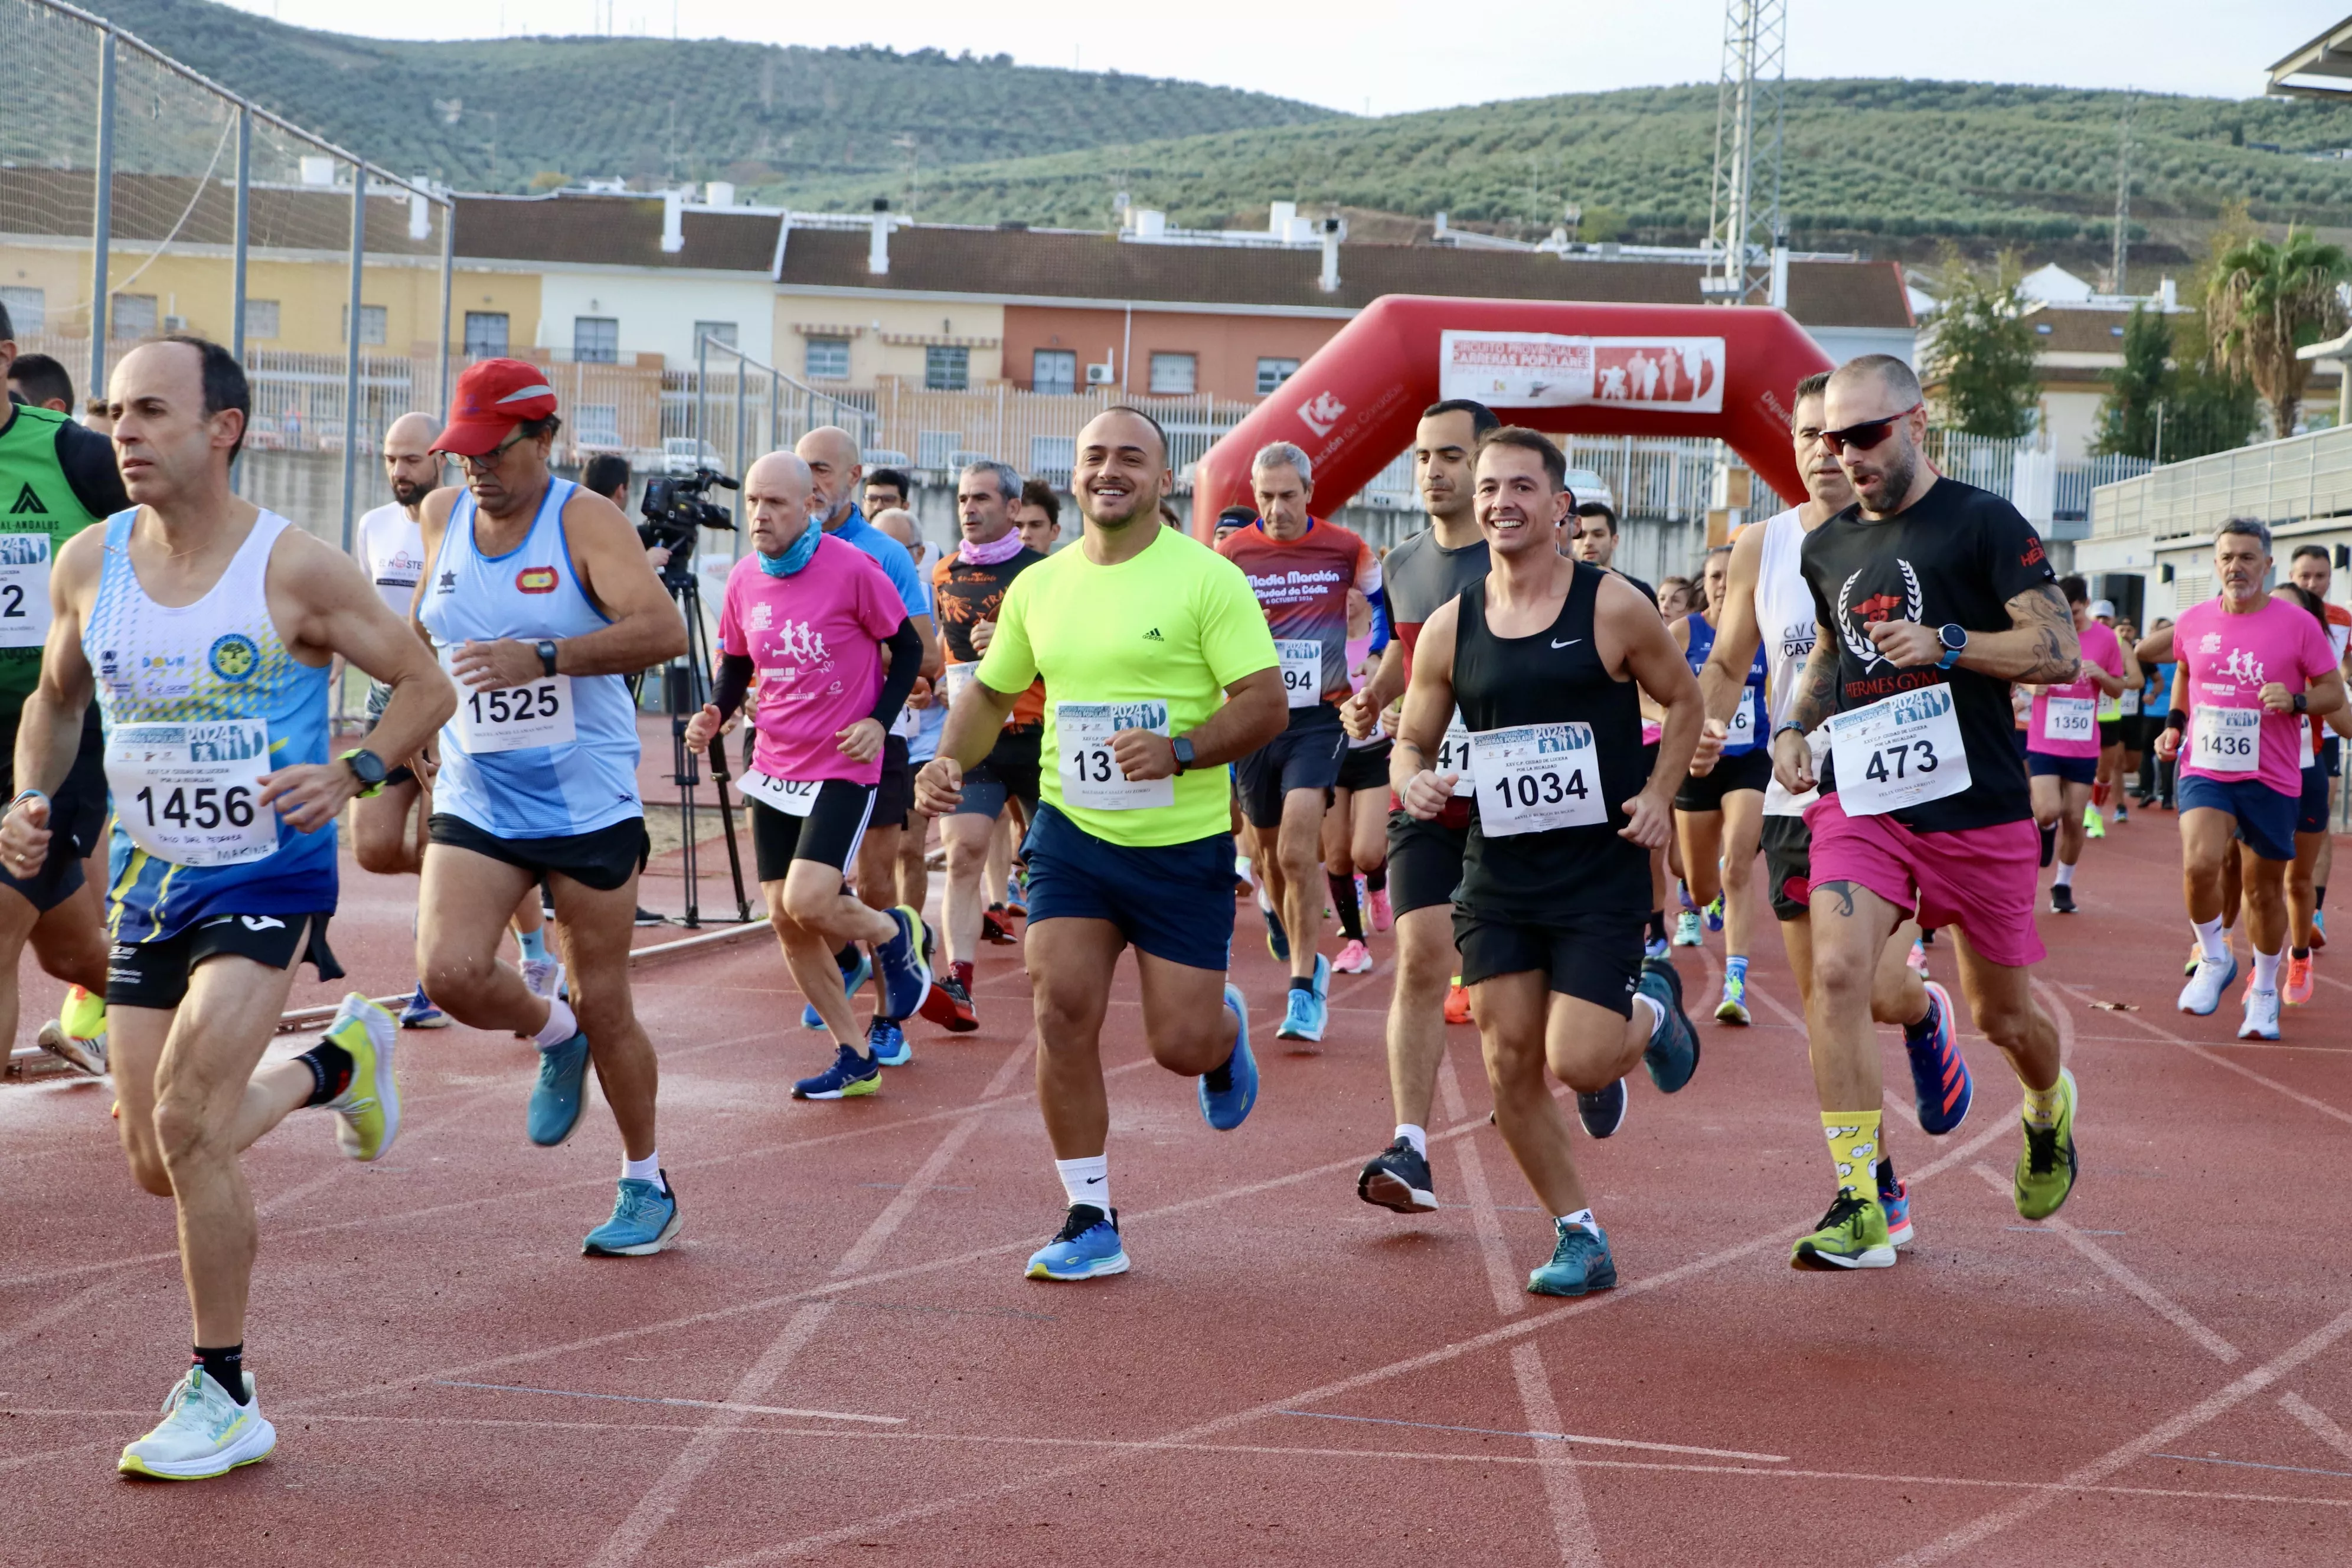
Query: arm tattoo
x=2053, y=653
x=1817, y=685
x=1842, y=891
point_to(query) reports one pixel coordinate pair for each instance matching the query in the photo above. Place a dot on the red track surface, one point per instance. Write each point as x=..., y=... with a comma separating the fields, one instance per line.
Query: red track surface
x=1290, y=1374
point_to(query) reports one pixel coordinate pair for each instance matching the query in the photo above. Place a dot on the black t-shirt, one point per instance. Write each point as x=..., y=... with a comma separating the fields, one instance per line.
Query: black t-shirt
x=1958, y=557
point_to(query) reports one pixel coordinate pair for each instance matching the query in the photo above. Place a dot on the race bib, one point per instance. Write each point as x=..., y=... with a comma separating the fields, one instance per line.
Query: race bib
x=1454, y=756
x=1741, y=736
x=959, y=678
x=1090, y=774
x=23, y=589
x=2129, y=702
x=909, y=723
x=2110, y=708
x=1532, y=778
x=1302, y=670
x=1900, y=750
x=513, y=718
x=2310, y=743
x=2229, y=740
x=2068, y=719
x=190, y=794
x=790, y=796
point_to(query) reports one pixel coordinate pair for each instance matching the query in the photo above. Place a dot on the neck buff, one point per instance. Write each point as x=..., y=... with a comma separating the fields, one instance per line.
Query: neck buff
x=995, y=554
x=796, y=555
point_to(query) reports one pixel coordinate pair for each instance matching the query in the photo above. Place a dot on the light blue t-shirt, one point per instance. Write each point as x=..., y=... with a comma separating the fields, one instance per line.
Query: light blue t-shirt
x=897, y=565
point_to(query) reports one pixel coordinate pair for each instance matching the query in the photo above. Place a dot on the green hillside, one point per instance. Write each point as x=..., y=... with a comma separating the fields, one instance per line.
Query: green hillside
x=653, y=110
x=1877, y=160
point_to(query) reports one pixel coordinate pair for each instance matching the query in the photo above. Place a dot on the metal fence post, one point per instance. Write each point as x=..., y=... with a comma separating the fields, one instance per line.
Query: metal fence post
x=741, y=378
x=352, y=352
x=448, y=294
x=101, y=214
x=244, y=221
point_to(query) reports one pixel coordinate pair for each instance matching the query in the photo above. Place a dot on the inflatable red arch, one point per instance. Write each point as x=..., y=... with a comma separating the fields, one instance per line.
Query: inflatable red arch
x=1559, y=366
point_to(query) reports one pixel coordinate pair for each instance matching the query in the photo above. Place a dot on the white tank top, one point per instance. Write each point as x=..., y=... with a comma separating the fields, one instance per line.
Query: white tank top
x=1787, y=623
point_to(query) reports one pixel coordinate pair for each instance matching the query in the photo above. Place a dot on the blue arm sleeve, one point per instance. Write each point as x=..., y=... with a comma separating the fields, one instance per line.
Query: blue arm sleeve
x=1380, y=601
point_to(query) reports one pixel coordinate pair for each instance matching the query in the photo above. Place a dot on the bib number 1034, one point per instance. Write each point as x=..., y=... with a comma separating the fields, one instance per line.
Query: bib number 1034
x=1533, y=778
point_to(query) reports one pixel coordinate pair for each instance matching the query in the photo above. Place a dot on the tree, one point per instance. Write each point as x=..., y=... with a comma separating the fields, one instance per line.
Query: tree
x=2209, y=409
x=2263, y=301
x=2127, y=415
x=1981, y=362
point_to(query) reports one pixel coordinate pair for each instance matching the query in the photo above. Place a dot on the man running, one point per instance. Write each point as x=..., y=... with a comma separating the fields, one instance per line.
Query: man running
x=1543, y=659
x=2065, y=744
x=968, y=589
x=811, y=617
x=1356, y=828
x=920, y=722
x=2252, y=667
x=1420, y=575
x=539, y=602
x=1300, y=567
x=1589, y=534
x=1931, y=597
x=206, y=629
x=2310, y=832
x=59, y=477
x=2313, y=571
x=1766, y=604
x=1159, y=671
x=1719, y=814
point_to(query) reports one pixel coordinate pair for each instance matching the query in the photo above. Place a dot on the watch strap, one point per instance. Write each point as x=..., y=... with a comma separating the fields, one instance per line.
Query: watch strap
x=351, y=757
x=546, y=650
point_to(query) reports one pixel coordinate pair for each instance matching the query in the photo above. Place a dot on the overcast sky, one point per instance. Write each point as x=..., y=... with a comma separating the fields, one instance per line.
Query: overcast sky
x=1394, y=56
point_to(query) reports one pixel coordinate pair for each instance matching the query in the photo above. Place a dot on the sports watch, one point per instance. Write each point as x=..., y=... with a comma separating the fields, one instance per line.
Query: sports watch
x=1954, y=637
x=546, y=655
x=1183, y=746
x=367, y=767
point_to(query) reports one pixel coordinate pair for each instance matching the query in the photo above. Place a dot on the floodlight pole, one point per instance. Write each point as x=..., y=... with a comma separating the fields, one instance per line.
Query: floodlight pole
x=101, y=214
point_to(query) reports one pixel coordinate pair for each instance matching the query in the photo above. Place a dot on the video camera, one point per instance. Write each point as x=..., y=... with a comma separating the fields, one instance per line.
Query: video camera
x=676, y=510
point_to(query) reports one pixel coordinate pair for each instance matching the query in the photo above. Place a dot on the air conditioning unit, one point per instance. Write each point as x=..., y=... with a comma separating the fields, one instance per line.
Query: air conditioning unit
x=175, y=323
x=1100, y=374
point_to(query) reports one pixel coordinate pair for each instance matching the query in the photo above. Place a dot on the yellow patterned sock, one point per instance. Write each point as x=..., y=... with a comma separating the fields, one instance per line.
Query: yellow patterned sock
x=1854, y=1150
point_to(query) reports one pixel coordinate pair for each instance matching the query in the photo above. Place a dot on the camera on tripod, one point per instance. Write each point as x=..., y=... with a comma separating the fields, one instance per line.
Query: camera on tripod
x=676, y=510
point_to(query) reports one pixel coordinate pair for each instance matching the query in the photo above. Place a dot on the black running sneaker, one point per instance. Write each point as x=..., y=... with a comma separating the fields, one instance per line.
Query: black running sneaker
x=1604, y=1112
x=1398, y=1178
x=2061, y=899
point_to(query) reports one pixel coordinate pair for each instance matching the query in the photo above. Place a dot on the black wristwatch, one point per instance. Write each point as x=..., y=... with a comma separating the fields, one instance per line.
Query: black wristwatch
x=2302, y=702
x=1182, y=747
x=547, y=656
x=367, y=767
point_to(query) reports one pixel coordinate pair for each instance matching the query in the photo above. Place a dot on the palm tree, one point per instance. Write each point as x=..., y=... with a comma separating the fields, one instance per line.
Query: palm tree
x=2265, y=301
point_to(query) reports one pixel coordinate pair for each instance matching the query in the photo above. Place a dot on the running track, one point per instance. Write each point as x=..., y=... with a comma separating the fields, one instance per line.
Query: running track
x=841, y=1362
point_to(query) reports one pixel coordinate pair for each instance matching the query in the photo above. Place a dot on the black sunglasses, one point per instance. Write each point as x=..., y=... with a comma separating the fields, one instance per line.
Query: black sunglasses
x=1861, y=437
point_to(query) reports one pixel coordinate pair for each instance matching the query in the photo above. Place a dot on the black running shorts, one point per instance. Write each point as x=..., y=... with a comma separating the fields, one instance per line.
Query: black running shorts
x=1594, y=957
x=1788, y=846
x=601, y=860
x=1424, y=861
x=155, y=973
x=829, y=835
x=76, y=818
x=1750, y=770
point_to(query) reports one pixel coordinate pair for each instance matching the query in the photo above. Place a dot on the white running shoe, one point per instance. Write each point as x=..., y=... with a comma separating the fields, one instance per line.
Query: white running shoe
x=2206, y=983
x=2262, y=1016
x=544, y=977
x=88, y=1055
x=204, y=1433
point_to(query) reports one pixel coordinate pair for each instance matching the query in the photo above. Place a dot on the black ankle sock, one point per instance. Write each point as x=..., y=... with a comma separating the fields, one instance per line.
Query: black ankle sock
x=1657, y=925
x=228, y=1368
x=2049, y=844
x=1220, y=1077
x=1306, y=984
x=330, y=1071
x=1377, y=881
x=1343, y=903
x=1886, y=1174
x=2298, y=952
x=2319, y=895
x=846, y=959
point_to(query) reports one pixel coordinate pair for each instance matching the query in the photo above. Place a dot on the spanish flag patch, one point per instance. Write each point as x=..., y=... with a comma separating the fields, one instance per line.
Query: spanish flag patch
x=536, y=580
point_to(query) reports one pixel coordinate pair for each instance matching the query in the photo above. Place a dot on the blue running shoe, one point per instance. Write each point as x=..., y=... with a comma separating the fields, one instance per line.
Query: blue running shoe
x=1579, y=1262
x=1940, y=1086
x=888, y=1044
x=906, y=978
x=1307, y=1012
x=1672, y=1054
x=555, y=1098
x=420, y=1013
x=645, y=1220
x=1604, y=1112
x=1896, y=1203
x=1277, y=940
x=1714, y=913
x=1657, y=947
x=850, y=1076
x=853, y=981
x=1087, y=1247
x=1228, y=1094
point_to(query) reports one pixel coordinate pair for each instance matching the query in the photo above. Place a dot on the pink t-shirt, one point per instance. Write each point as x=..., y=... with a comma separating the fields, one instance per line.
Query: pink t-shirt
x=814, y=639
x=2230, y=658
x=2077, y=730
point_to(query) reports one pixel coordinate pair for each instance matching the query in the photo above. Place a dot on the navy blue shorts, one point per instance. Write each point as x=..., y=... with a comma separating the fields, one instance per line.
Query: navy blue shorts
x=1306, y=757
x=2073, y=770
x=2312, y=817
x=1172, y=900
x=2331, y=756
x=2266, y=817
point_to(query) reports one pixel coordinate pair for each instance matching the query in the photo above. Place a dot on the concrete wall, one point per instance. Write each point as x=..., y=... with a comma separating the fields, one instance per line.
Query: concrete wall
x=1226, y=348
x=887, y=337
x=657, y=311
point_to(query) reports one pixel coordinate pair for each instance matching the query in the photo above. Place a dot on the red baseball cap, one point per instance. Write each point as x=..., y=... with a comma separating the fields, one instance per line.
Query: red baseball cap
x=493, y=397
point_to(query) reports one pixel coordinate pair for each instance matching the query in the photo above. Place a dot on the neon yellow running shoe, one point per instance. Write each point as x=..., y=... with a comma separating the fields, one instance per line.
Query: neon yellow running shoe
x=369, y=1108
x=204, y=1433
x=2094, y=822
x=1853, y=1235
x=2045, y=1165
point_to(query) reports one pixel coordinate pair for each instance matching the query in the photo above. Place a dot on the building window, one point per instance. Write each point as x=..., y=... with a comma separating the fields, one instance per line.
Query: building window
x=1053, y=370
x=28, y=309
x=261, y=320
x=1175, y=374
x=595, y=339
x=946, y=369
x=1273, y=372
x=720, y=331
x=486, y=334
x=134, y=316
x=828, y=359
x=371, y=323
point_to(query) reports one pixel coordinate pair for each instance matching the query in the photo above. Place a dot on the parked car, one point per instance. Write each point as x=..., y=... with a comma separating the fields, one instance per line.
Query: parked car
x=1586, y=486
x=684, y=454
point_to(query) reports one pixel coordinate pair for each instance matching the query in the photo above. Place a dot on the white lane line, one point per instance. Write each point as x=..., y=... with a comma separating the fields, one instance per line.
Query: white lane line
x=2250, y=1465
x=2210, y=1407
x=1510, y=1293
x=2156, y=1300
x=691, y=1404
x=1571, y=1525
x=1545, y=1437
x=2205, y=1054
x=2321, y=1424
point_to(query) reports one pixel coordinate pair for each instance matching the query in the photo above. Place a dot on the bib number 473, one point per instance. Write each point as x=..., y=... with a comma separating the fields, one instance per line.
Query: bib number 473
x=1893, y=764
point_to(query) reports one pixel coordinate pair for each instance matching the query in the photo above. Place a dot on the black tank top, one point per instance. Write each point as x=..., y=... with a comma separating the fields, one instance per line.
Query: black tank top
x=1554, y=677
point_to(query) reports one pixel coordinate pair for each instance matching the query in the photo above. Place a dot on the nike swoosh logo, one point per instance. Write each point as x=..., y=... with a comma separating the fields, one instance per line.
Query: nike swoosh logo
x=1094, y=1180
x=1569, y=643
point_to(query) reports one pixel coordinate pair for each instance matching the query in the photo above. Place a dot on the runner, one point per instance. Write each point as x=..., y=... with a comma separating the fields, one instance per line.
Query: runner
x=1300, y=567
x=922, y=720
x=206, y=629
x=538, y=599
x=1931, y=597
x=1355, y=830
x=811, y=618
x=59, y=479
x=1764, y=587
x=970, y=588
x=1593, y=537
x=1554, y=876
x=1159, y=671
x=1719, y=814
x=2064, y=743
x=2250, y=670
x=1424, y=859
x=2311, y=834
x=2314, y=573
x=389, y=546
x=2112, y=706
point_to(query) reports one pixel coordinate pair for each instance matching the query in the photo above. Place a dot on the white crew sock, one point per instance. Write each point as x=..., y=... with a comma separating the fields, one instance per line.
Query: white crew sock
x=1414, y=1136
x=645, y=1170
x=1087, y=1181
x=2064, y=878
x=560, y=1025
x=1657, y=1014
x=1583, y=1217
x=2211, y=942
x=2266, y=970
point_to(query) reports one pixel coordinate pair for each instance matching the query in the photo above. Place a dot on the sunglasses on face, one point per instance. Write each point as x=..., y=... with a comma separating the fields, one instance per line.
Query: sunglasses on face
x=1861, y=437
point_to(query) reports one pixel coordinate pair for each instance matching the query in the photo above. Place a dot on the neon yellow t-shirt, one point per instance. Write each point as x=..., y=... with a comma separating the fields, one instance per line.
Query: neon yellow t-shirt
x=1174, y=626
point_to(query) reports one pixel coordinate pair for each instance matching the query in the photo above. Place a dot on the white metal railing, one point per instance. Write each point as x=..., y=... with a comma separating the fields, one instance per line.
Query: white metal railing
x=2279, y=481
